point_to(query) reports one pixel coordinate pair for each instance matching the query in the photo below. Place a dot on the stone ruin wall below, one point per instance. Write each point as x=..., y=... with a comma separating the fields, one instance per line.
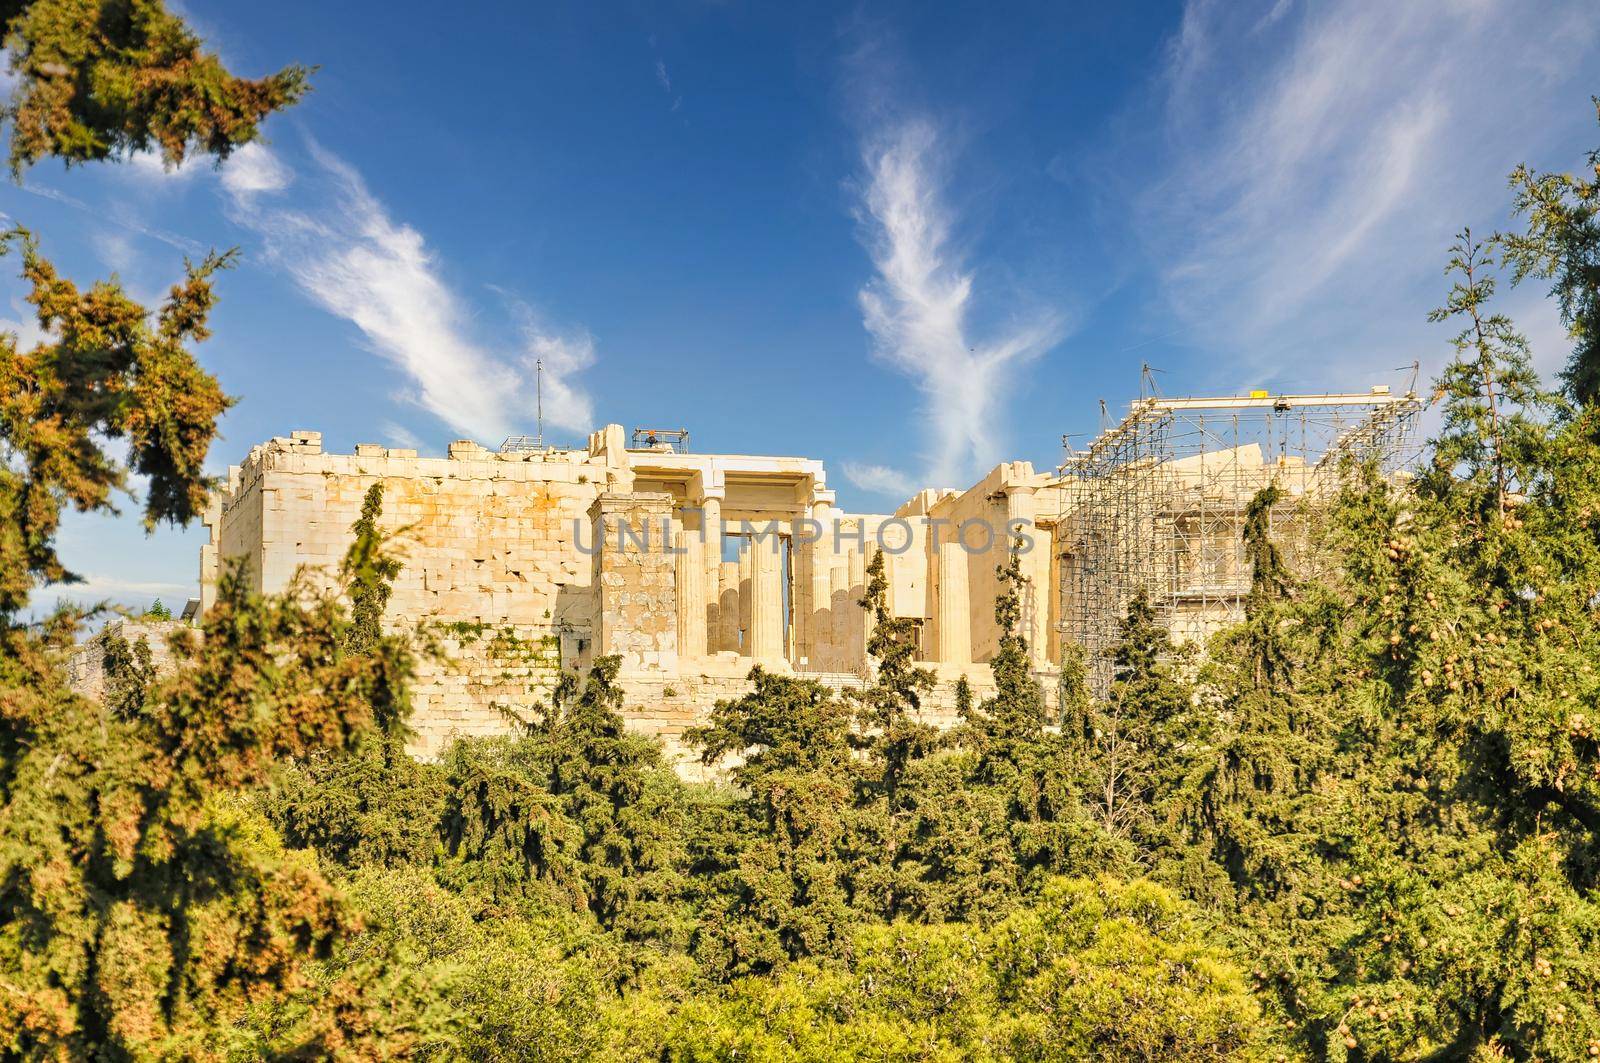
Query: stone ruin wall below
x=492, y=568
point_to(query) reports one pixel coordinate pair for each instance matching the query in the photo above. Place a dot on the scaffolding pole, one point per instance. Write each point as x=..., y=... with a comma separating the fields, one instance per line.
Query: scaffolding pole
x=1156, y=503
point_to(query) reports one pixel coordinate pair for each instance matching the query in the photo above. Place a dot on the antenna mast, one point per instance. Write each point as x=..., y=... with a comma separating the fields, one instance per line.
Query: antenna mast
x=538, y=368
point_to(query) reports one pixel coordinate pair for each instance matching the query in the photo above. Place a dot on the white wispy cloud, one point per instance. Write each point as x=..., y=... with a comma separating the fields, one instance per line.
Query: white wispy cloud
x=254, y=169
x=1318, y=159
x=562, y=357
x=23, y=323
x=151, y=167
x=117, y=216
x=879, y=479
x=917, y=307
x=353, y=259
x=115, y=249
x=665, y=80
x=399, y=435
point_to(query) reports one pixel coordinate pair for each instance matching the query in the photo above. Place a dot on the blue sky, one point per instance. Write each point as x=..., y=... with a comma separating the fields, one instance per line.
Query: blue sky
x=909, y=239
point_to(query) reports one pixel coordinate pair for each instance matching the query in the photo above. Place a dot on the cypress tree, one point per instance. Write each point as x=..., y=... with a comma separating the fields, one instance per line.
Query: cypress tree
x=369, y=573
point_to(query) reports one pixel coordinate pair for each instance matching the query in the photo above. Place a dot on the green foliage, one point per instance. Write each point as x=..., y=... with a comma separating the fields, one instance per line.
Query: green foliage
x=367, y=808
x=1382, y=788
x=1127, y=760
x=1014, y=717
x=157, y=611
x=97, y=79
x=128, y=670
x=1095, y=970
x=888, y=709
x=1561, y=244
x=574, y=814
x=892, y=736
x=371, y=573
x=144, y=908
x=1492, y=400
x=106, y=369
x=777, y=862
x=1391, y=789
x=625, y=803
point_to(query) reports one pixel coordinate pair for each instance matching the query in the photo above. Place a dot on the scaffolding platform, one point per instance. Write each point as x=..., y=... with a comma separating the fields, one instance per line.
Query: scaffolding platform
x=1156, y=503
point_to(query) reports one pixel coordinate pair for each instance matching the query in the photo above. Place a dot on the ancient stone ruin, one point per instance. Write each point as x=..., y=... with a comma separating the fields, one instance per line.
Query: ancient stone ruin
x=692, y=568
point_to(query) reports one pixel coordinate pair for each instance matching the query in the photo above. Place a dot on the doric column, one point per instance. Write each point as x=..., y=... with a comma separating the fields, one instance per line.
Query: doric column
x=728, y=607
x=841, y=610
x=745, y=562
x=955, y=611
x=691, y=594
x=1021, y=513
x=819, y=568
x=858, y=625
x=711, y=559
x=766, y=597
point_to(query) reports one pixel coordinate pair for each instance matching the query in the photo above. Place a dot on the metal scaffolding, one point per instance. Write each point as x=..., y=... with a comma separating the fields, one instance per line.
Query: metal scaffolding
x=1156, y=503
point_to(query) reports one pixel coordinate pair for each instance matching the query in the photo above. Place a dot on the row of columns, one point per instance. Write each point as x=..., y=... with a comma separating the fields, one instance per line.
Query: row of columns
x=951, y=595
x=739, y=605
x=718, y=601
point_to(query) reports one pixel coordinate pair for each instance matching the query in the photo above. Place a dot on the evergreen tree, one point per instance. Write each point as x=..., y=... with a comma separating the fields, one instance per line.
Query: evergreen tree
x=1561, y=244
x=778, y=870
x=1073, y=699
x=1492, y=400
x=370, y=574
x=892, y=736
x=1134, y=731
x=125, y=847
x=1246, y=771
x=106, y=369
x=625, y=802
x=128, y=669
x=1013, y=719
x=574, y=813
x=1026, y=772
x=97, y=81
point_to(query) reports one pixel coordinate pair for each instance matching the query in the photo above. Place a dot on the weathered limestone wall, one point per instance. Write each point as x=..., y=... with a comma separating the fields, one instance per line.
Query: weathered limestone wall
x=86, y=663
x=524, y=563
x=665, y=707
x=487, y=541
x=635, y=581
x=963, y=536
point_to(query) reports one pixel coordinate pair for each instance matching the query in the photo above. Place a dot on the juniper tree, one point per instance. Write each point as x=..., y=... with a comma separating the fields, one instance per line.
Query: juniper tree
x=1246, y=766
x=126, y=844
x=374, y=804
x=107, y=368
x=573, y=811
x=890, y=706
x=1031, y=774
x=1492, y=398
x=372, y=571
x=1404, y=810
x=1561, y=244
x=1013, y=719
x=1072, y=693
x=1134, y=729
x=95, y=80
x=892, y=737
x=625, y=803
x=145, y=909
x=128, y=669
x=778, y=870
